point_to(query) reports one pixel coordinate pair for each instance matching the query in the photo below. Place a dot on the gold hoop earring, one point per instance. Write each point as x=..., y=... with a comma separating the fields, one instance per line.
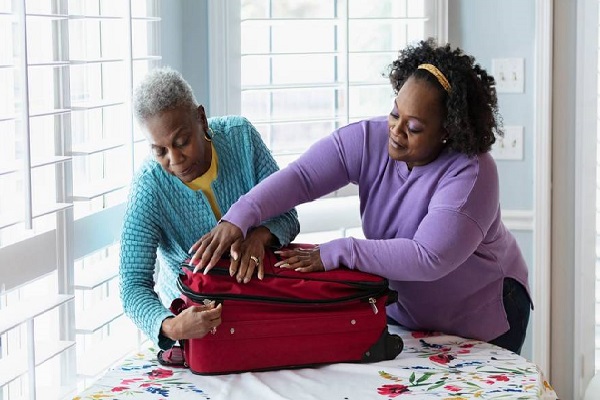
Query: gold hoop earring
x=207, y=137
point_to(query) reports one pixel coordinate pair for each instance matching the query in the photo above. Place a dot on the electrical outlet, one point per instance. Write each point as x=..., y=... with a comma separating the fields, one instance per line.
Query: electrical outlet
x=509, y=147
x=509, y=74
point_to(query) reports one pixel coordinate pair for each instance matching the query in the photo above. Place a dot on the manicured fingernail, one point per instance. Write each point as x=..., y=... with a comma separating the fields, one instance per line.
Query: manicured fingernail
x=234, y=255
x=277, y=264
x=246, y=280
x=190, y=250
x=277, y=252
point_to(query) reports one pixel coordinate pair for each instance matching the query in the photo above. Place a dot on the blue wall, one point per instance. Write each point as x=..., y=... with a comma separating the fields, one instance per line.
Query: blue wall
x=489, y=29
x=184, y=36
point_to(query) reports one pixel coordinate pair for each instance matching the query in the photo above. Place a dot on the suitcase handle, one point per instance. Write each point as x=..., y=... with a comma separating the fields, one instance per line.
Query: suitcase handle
x=177, y=306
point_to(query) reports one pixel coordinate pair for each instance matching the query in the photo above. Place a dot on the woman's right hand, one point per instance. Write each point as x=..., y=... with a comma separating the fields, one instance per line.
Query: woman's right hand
x=209, y=249
x=193, y=322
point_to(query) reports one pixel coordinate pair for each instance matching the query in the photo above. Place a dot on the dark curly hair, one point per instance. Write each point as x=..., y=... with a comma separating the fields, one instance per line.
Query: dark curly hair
x=472, y=106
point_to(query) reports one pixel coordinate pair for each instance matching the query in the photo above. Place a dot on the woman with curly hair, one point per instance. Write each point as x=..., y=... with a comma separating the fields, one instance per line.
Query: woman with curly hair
x=429, y=201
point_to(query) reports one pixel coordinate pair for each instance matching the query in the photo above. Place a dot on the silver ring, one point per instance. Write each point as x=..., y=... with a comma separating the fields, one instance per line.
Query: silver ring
x=255, y=259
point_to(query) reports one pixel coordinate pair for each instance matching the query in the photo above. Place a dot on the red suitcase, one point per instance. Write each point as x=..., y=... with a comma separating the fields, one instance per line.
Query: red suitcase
x=289, y=319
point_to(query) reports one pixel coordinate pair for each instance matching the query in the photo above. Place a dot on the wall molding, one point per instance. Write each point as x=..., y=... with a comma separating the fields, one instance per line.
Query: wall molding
x=518, y=220
x=584, y=256
x=542, y=183
x=442, y=21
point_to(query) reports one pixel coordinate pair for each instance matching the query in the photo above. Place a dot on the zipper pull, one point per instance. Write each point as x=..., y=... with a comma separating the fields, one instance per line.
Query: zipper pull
x=373, y=304
x=208, y=302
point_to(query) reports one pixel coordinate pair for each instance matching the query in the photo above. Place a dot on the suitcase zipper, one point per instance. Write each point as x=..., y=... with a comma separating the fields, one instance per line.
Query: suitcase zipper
x=359, y=284
x=370, y=297
x=370, y=291
x=219, y=297
x=373, y=303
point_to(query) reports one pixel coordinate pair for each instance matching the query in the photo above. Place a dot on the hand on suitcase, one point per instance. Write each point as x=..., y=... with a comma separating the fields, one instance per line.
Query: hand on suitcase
x=213, y=245
x=301, y=260
x=252, y=251
x=193, y=322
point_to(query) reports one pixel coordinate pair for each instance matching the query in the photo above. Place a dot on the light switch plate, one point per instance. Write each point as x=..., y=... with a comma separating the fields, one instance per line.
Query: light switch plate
x=509, y=74
x=509, y=147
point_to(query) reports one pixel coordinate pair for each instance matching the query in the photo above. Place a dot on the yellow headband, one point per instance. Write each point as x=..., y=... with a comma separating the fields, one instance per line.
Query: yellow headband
x=438, y=75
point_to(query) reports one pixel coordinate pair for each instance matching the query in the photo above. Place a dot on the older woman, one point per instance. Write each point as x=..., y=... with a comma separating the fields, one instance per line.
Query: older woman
x=429, y=200
x=198, y=169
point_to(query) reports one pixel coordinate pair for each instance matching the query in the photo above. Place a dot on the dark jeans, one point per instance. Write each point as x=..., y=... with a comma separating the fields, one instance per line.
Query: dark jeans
x=517, y=306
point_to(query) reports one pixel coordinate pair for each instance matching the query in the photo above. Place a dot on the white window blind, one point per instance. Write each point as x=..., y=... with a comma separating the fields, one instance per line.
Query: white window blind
x=299, y=69
x=69, y=148
x=309, y=67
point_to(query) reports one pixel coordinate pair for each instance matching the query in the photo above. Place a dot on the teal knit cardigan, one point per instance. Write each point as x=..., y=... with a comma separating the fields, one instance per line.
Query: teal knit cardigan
x=164, y=217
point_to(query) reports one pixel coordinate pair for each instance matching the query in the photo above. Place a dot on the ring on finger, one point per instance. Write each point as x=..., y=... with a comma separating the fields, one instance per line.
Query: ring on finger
x=255, y=259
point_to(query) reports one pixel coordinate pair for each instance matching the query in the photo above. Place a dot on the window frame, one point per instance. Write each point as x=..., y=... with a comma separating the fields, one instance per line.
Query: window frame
x=586, y=115
x=224, y=50
x=52, y=256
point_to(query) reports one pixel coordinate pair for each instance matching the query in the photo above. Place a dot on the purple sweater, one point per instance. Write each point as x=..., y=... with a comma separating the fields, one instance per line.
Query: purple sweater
x=435, y=232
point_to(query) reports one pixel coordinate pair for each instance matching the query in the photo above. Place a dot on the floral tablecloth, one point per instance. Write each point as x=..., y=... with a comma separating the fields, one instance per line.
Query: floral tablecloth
x=431, y=366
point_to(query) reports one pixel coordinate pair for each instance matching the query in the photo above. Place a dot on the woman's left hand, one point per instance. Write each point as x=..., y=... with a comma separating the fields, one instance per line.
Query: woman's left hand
x=252, y=251
x=301, y=260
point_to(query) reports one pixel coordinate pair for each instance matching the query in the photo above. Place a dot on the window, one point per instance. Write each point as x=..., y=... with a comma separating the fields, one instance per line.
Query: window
x=297, y=88
x=67, y=68
x=308, y=67
x=69, y=145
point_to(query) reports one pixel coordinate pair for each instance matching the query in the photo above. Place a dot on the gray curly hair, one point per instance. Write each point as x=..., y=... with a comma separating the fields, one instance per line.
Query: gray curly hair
x=160, y=90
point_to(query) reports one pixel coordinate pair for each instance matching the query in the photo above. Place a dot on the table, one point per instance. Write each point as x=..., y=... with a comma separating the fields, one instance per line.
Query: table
x=431, y=366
